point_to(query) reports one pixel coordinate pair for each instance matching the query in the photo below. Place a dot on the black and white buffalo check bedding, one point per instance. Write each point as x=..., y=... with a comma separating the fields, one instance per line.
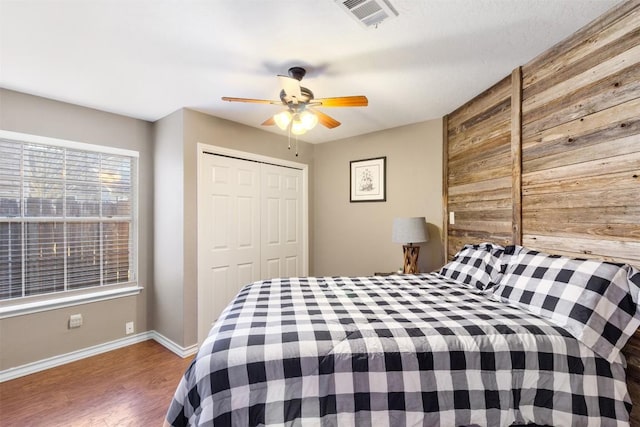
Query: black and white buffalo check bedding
x=410, y=350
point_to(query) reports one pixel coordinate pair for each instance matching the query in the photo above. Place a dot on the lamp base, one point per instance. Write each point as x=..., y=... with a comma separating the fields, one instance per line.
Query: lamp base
x=410, y=259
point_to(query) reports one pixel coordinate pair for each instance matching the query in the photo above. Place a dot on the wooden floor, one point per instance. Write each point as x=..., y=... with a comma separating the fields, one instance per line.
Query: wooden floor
x=132, y=386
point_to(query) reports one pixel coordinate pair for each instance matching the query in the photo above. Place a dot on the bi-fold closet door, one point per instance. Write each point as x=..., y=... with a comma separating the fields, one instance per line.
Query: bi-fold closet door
x=250, y=229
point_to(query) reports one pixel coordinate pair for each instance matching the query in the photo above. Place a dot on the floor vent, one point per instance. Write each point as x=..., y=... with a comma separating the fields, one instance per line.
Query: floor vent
x=369, y=13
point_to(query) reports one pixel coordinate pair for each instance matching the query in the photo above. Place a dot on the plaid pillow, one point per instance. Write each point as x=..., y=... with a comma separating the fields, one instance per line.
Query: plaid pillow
x=478, y=265
x=594, y=301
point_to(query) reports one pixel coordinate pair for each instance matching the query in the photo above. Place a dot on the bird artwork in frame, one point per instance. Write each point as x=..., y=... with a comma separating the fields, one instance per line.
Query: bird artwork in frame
x=368, y=180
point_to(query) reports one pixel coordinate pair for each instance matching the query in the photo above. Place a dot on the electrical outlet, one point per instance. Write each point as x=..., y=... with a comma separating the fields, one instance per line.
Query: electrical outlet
x=128, y=328
x=452, y=218
x=75, y=321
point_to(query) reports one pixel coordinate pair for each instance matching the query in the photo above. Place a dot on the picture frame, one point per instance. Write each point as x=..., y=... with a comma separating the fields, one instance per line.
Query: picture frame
x=368, y=180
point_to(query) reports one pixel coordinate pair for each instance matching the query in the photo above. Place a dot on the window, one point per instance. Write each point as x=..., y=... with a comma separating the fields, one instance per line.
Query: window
x=67, y=217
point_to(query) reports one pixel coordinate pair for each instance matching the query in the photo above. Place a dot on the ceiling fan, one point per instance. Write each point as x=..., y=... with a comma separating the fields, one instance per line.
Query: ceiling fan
x=301, y=114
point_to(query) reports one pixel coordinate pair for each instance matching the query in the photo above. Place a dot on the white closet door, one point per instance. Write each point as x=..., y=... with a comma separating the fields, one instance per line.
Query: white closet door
x=229, y=240
x=281, y=254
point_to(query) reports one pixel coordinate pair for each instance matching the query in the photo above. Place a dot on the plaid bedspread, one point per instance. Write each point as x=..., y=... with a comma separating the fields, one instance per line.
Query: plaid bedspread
x=395, y=351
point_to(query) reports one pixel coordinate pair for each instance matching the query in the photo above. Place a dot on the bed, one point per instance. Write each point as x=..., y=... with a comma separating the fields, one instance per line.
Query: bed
x=498, y=337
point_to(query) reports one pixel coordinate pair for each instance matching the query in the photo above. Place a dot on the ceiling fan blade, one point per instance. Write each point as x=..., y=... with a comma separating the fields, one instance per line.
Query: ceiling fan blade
x=254, y=101
x=326, y=120
x=343, y=101
x=269, y=122
x=291, y=88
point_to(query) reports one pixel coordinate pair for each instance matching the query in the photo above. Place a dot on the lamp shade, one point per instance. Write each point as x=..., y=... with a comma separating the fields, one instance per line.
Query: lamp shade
x=409, y=230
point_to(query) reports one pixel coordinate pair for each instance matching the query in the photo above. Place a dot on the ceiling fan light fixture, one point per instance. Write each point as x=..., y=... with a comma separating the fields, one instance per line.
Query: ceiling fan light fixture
x=308, y=119
x=283, y=119
x=298, y=127
x=299, y=114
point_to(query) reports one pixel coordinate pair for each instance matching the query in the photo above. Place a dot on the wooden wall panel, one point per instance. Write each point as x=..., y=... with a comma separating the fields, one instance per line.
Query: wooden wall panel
x=581, y=142
x=581, y=150
x=478, y=165
x=550, y=156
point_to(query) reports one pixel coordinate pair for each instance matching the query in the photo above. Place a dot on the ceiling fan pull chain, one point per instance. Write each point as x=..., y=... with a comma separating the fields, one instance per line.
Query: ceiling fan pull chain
x=289, y=134
x=296, y=145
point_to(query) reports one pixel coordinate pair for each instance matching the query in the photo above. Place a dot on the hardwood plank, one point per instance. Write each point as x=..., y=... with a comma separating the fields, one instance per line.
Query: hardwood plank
x=611, y=165
x=480, y=205
x=596, y=215
x=491, y=194
x=555, y=251
x=621, y=180
x=609, y=250
x=482, y=236
x=129, y=386
x=488, y=185
x=493, y=227
x=550, y=224
x=503, y=215
x=583, y=199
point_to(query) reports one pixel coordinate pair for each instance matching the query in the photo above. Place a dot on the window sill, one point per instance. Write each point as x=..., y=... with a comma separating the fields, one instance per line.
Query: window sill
x=55, y=303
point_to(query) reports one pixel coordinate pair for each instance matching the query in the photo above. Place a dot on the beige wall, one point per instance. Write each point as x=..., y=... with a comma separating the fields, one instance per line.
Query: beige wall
x=167, y=299
x=354, y=239
x=177, y=136
x=34, y=337
x=45, y=334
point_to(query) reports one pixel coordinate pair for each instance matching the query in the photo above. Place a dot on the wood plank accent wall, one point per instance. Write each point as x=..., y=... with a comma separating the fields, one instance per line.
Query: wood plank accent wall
x=572, y=162
x=581, y=150
x=478, y=164
x=581, y=142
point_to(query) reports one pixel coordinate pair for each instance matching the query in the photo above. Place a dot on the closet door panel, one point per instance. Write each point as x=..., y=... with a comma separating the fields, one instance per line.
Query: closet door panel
x=229, y=238
x=282, y=222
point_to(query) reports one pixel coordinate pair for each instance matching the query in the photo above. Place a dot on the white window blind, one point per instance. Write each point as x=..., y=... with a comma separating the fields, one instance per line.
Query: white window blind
x=67, y=217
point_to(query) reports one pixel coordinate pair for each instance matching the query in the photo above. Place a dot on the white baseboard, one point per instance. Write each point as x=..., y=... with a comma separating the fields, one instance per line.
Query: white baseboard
x=180, y=351
x=51, y=362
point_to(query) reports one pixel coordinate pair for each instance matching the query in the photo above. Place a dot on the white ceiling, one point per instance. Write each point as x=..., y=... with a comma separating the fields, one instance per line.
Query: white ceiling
x=148, y=58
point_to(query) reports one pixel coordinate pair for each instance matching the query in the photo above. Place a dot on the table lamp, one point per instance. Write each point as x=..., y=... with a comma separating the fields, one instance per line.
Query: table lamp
x=409, y=231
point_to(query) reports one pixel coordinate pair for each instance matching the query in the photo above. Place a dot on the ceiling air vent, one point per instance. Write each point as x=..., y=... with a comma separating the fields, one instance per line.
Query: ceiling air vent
x=370, y=13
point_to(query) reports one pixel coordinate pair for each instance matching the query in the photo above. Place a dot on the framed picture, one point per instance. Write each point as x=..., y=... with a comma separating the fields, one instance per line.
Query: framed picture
x=368, y=180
